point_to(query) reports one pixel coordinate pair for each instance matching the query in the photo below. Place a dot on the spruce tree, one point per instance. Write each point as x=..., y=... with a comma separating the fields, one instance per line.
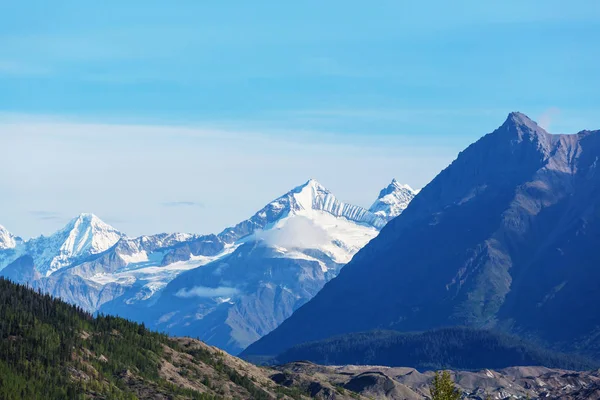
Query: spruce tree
x=443, y=388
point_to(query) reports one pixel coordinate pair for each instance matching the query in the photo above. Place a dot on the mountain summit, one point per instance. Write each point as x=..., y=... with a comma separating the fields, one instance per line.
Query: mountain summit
x=7, y=239
x=314, y=196
x=304, y=199
x=278, y=260
x=506, y=237
x=393, y=200
x=83, y=236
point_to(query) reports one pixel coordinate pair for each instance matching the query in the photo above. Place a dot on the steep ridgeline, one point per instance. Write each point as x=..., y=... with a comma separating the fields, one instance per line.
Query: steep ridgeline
x=276, y=261
x=82, y=237
x=88, y=262
x=393, y=200
x=311, y=196
x=283, y=256
x=506, y=237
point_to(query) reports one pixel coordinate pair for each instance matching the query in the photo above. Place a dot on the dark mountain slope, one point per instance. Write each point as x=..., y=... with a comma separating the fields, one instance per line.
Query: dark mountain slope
x=456, y=348
x=507, y=236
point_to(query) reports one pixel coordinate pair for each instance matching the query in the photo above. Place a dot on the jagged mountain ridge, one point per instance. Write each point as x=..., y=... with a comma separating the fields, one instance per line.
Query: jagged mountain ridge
x=505, y=237
x=83, y=236
x=290, y=249
x=309, y=196
x=393, y=200
x=307, y=231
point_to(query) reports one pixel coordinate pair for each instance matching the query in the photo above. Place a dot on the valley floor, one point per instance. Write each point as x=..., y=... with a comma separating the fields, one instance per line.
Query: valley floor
x=407, y=383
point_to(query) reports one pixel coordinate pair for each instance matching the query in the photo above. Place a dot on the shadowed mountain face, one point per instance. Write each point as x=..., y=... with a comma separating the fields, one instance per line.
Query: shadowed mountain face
x=506, y=237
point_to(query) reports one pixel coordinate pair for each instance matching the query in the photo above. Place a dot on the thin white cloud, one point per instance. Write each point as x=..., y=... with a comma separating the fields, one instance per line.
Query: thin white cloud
x=47, y=215
x=182, y=204
x=548, y=117
x=296, y=232
x=207, y=292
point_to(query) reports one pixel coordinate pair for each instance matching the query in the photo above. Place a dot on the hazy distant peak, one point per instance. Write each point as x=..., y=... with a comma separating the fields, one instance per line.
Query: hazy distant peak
x=7, y=239
x=84, y=235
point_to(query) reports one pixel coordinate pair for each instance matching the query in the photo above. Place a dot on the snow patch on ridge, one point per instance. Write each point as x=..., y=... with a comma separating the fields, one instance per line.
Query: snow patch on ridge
x=314, y=196
x=393, y=200
x=7, y=239
x=83, y=236
x=338, y=238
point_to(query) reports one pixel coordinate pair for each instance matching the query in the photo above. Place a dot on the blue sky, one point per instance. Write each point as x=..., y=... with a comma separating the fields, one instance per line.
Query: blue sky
x=191, y=115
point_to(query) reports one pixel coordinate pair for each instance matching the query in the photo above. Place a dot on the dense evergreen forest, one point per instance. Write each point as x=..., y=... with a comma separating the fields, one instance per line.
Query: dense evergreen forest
x=53, y=350
x=448, y=348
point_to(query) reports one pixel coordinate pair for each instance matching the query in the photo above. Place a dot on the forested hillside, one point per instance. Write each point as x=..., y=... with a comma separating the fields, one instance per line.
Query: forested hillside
x=449, y=348
x=52, y=350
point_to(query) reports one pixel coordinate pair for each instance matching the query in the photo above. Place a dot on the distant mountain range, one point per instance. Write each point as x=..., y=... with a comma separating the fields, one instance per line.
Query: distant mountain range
x=507, y=237
x=228, y=289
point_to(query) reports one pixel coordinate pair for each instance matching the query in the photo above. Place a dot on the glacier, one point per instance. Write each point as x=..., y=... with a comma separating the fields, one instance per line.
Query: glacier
x=237, y=285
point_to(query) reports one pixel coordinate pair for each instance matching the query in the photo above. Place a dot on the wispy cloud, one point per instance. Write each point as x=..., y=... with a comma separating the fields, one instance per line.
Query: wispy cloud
x=46, y=215
x=182, y=204
x=203, y=291
x=297, y=232
x=548, y=117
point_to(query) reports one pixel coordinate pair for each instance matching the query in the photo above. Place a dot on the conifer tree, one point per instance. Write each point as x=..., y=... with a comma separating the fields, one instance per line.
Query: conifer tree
x=443, y=388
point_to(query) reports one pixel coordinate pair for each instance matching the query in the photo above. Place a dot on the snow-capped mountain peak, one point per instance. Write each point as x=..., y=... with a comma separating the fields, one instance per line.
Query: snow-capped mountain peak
x=305, y=199
x=314, y=196
x=89, y=234
x=400, y=186
x=259, y=270
x=7, y=239
x=310, y=196
x=392, y=200
x=83, y=236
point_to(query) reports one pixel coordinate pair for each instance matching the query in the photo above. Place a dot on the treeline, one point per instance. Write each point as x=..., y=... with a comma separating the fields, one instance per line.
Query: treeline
x=447, y=348
x=52, y=350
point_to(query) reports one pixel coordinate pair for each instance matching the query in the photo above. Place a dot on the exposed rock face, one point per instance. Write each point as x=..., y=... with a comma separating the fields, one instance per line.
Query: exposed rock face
x=22, y=270
x=505, y=237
